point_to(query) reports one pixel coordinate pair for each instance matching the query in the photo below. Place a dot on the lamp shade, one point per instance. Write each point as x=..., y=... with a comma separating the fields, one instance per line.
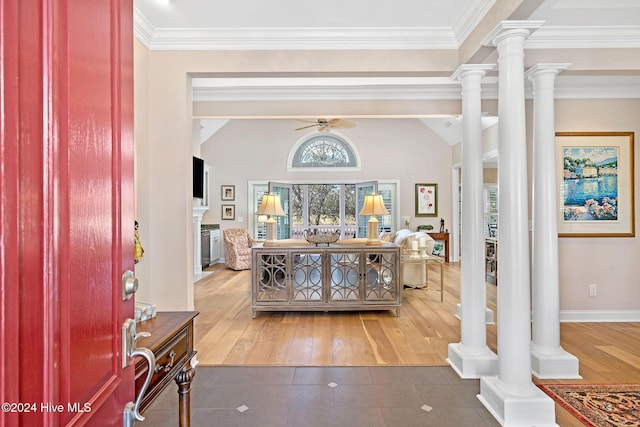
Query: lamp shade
x=373, y=205
x=271, y=205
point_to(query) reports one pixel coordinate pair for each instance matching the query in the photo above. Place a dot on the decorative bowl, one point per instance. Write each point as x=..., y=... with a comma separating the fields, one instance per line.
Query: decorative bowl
x=321, y=238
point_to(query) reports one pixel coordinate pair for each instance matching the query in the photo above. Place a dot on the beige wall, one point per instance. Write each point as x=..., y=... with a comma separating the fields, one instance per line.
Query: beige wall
x=142, y=173
x=612, y=263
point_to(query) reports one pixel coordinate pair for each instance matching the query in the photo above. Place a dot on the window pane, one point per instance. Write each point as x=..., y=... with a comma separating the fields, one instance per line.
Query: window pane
x=324, y=204
x=350, y=213
x=297, y=202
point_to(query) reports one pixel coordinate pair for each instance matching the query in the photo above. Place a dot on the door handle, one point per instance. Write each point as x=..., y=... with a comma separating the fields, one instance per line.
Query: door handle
x=151, y=360
x=130, y=351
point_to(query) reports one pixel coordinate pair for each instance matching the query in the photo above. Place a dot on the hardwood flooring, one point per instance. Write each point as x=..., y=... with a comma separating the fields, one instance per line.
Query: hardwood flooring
x=226, y=334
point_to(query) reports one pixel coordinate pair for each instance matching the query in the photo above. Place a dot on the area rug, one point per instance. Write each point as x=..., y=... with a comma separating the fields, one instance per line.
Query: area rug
x=598, y=405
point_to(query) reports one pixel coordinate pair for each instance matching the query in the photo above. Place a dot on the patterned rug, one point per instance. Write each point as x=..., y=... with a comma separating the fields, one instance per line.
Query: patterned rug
x=599, y=405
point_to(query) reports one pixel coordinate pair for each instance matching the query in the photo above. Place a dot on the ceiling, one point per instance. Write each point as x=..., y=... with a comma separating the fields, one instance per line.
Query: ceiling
x=579, y=32
x=426, y=24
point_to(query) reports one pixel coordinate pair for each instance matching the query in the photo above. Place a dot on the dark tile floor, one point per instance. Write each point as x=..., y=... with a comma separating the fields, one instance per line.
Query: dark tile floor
x=325, y=397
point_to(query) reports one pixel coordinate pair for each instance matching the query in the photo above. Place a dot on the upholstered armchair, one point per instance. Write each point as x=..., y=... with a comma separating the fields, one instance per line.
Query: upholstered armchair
x=237, y=248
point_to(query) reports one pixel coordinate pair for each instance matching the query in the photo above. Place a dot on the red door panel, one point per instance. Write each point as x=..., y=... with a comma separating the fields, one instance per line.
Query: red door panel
x=67, y=209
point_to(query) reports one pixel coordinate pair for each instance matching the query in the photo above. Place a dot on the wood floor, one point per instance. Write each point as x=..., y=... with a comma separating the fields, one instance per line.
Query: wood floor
x=226, y=334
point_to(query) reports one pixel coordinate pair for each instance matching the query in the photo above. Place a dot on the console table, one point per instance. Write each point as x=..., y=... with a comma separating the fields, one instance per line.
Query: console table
x=445, y=238
x=333, y=277
x=171, y=342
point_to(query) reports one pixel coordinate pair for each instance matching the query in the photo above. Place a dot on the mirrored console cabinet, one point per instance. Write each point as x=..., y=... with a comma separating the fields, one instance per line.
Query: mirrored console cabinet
x=327, y=278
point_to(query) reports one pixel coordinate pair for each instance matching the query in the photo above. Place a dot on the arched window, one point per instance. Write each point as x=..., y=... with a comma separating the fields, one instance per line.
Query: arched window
x=324, y=150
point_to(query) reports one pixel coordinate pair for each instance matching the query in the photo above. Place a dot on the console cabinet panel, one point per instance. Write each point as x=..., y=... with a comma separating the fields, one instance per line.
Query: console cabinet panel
x=335, y=277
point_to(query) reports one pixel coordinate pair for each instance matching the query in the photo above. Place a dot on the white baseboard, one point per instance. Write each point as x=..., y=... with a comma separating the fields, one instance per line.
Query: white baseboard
x=599, y=315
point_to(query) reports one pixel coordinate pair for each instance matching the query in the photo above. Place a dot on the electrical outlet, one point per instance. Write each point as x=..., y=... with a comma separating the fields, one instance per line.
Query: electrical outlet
x=593, y=290
x=406, y=219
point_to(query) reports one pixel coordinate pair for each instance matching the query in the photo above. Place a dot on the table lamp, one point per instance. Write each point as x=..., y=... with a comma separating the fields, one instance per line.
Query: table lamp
x=373, y=206
x=271, y=206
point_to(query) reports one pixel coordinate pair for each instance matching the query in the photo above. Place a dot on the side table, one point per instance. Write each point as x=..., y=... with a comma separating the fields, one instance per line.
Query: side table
x=445, y=238
x=426, y=260
x=171, y=342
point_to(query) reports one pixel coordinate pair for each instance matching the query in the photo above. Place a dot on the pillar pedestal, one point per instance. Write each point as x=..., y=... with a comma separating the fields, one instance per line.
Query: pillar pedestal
x=550, y=363
x=528, y=406
x=469, y=363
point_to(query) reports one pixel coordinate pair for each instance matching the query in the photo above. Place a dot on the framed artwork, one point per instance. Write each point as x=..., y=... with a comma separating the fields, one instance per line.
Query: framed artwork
x=228, y=211
x=228, y=192
x=594, y=172
x=426, y=199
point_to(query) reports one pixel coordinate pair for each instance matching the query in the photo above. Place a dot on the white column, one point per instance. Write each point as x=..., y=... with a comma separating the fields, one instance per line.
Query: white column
x=198, y=212
x=511, y=397
x=548, y=359
x=471, y=357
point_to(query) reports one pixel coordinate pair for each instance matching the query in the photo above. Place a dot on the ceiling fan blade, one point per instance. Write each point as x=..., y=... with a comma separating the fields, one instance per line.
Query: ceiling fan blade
x=344, y=124
x=307, y=127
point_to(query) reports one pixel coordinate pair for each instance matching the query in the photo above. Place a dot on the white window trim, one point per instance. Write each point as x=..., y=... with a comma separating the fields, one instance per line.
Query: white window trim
x=302, y=140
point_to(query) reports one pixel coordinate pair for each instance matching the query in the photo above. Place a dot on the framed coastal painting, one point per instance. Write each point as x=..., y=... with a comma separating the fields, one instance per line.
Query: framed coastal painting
x=595, y=176
x=426, y=199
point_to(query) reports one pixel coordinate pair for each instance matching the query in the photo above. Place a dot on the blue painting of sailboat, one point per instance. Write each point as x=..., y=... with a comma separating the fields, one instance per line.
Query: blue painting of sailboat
x=590, y=183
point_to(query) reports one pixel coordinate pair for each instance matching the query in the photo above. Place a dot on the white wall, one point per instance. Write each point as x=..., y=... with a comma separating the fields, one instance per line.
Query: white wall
x=402, y=149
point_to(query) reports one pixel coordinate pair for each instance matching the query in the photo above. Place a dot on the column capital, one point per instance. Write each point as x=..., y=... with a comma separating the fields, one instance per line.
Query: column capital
x=507, y=28
x=477, y=69
x=555, y=68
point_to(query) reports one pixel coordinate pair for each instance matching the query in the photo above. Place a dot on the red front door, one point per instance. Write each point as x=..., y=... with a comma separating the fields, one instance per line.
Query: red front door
x=66, y=184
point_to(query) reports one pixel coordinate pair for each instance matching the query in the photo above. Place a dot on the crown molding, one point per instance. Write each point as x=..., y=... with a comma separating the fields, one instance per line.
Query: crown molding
x=584, y=37
x=596, y=87
x=567, y=87
x=297, y=38
x=306, y=93
x=142, y=28
x=470, y=18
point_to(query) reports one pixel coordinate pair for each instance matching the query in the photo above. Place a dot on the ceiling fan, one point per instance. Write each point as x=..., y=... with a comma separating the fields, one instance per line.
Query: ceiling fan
x=325, y=125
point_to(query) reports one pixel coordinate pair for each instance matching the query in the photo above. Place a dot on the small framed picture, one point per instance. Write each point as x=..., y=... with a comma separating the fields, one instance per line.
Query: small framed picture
x=228, y=192
x=228, y=211
x=426, y=199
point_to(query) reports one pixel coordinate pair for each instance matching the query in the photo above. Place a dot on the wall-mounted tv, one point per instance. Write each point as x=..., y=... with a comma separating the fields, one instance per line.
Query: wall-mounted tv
x=198, y=178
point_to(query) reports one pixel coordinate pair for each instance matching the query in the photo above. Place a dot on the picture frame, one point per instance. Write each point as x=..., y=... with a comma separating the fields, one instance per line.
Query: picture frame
x=228, y=212
x=426, y=200
x=595, y=176
x=227, y=192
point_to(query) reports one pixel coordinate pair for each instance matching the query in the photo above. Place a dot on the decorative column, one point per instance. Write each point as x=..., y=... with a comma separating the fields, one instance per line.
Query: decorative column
x=198, y=212
x=471, y=357
x=548, y=359
x=511, y=397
